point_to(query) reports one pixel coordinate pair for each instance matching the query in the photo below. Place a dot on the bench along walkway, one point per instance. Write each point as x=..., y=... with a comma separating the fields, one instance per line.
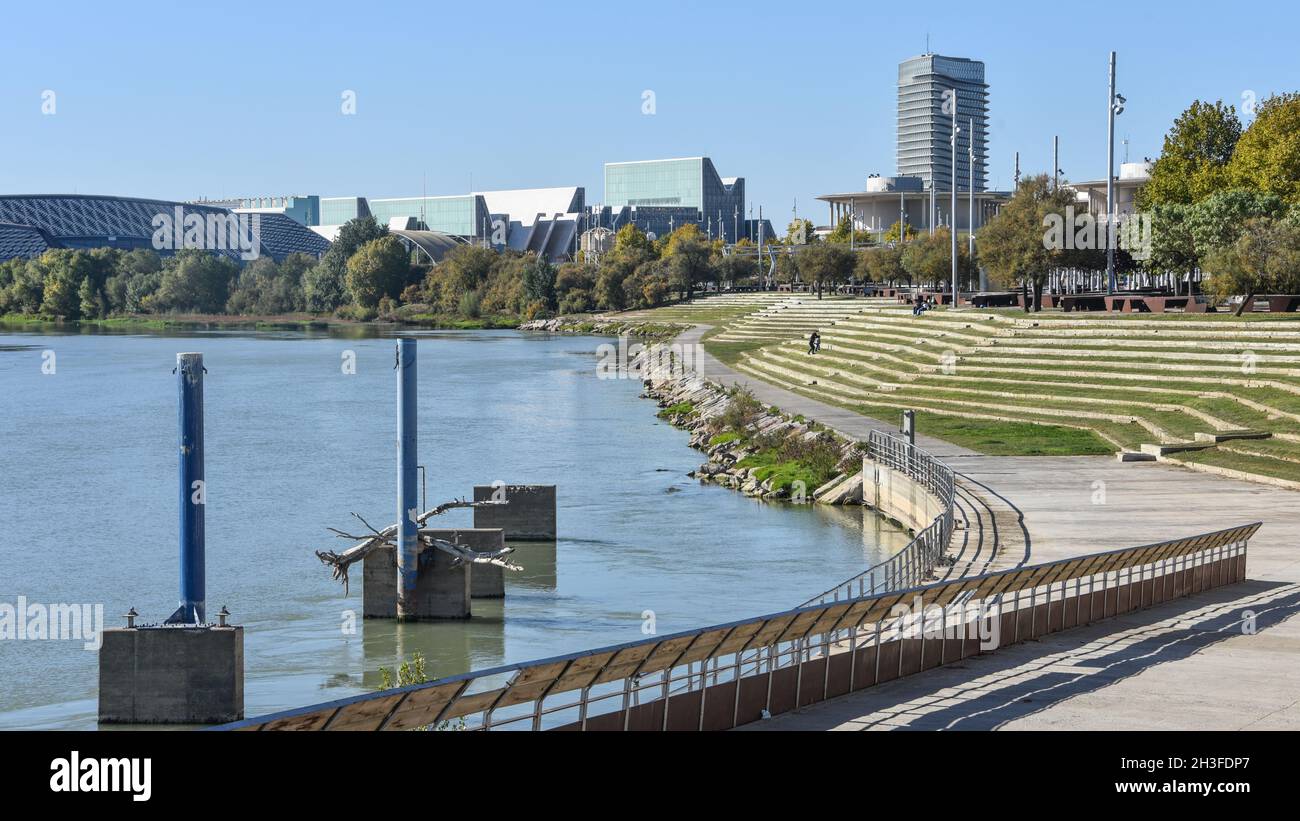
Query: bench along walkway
x=1219, y=674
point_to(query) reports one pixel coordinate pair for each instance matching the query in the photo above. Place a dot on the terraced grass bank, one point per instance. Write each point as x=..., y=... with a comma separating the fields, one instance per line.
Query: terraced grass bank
x=1211, y=393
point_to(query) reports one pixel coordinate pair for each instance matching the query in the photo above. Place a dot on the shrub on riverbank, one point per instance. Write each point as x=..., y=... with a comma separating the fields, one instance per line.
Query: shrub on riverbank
x=789, y=456
x=681, y=409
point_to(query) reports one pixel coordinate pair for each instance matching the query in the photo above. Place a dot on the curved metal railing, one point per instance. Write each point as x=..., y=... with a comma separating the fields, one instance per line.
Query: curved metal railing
x=718, y=677
x=913, y=564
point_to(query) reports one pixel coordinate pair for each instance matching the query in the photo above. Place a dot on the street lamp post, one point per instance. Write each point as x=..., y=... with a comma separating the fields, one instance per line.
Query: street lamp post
x=970, y=192
x=1115, y=108
x=952, y=208
x=852, y=215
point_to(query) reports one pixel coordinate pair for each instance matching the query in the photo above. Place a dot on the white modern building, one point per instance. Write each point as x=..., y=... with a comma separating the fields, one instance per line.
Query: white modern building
x=1132, y=176
x=883, y=201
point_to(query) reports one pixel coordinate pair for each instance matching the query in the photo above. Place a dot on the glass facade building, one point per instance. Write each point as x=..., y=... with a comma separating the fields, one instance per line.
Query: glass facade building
x=663, y=194
x=338, y=210
x=465, y=215
x=925, y=128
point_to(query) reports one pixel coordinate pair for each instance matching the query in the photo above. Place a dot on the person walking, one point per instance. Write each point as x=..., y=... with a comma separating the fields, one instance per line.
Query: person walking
x=814, y=343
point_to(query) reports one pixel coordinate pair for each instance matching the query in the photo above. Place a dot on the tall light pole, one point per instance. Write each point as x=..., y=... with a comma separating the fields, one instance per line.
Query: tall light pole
x=1115, y=108
x=952, y=207
x=1056, y=163
x=852, y=215
x=970, y=192
x=902, y=216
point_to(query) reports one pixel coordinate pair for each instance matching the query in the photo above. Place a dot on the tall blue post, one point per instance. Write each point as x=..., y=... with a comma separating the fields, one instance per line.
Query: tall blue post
x=408, y=555
x=189, y=379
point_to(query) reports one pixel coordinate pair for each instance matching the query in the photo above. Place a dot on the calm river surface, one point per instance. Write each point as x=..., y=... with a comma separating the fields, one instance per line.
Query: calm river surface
x=88, y=505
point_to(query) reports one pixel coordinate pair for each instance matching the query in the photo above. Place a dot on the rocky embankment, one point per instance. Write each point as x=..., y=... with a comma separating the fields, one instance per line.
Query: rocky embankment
x=603, y=326
x=693, y=403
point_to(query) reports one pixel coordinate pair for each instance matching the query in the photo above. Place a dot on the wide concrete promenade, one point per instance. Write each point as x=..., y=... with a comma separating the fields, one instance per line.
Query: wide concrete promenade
x=1185, y=664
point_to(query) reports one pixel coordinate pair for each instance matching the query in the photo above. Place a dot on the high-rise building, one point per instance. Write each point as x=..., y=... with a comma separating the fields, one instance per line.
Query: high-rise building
x=925, y=127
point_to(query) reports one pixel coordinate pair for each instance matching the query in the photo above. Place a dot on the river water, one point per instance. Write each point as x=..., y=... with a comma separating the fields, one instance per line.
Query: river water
x=294, y=445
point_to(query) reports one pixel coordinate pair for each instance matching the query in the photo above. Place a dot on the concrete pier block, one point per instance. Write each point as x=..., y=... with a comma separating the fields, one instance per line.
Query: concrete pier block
x=442, y=591
x=529, y=515
x=171, y=675
x=486, y=581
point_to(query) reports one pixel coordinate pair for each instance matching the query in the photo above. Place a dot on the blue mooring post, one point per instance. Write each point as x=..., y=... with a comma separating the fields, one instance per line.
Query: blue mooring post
x=408, y=555
x=189, y=378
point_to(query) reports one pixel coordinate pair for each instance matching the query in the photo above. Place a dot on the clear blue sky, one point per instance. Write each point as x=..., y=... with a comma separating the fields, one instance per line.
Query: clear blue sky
x=181, y=100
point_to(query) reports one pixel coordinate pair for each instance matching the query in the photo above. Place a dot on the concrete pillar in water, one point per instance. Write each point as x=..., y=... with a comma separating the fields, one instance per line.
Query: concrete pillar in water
x=408, y=547
x=528, y=515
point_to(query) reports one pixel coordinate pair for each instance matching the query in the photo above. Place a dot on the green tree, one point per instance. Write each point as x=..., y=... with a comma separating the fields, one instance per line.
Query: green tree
x=539, y=283
x=1173, y=249
x=648, y=286
x=687, y=254
x=883, y=264
x=843, y=231
x=139, y=275
x=737, y=266
x=928, y=259
x=892, y=234
x=1016, y=246
x=1265, y=258
x=378, y=269
x=64, y=272
x=1267, y=157
x=825, y=264
x=92, y=302
x=465, y=268
x=325, y=285
x=27, y=292
x=800, y=232
x=1194, y=161
x=574, y=286
x=1219, y=219
x=194, y=280
x=632, y=248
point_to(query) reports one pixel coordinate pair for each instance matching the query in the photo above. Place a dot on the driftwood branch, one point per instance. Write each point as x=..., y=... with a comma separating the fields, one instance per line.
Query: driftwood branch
x=340, y=562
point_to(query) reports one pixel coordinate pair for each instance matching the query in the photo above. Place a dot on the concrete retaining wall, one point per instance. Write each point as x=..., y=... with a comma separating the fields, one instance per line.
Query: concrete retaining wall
x=897, y=496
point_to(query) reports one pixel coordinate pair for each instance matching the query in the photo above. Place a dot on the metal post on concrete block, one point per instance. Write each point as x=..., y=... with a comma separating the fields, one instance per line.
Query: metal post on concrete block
x=408, y=548
x=187, y=671
x=909, y=427
x=189, y=380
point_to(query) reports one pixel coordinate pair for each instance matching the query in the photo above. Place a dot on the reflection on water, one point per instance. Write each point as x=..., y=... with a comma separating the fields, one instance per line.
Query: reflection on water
x=88, y=504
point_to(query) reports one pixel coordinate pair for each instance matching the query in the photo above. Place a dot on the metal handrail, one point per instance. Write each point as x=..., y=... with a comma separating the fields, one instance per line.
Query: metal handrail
x=914, y=563
x=603, y=688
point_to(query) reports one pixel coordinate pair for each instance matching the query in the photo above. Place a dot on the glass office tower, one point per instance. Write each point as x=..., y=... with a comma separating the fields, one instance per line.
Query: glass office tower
x=925, y=129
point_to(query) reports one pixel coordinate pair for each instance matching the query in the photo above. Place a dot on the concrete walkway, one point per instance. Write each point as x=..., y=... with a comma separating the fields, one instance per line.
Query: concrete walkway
x=1184, y=664
x=990, y=536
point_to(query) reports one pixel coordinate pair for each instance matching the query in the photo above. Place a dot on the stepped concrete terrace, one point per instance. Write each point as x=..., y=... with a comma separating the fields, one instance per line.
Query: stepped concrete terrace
x=1212, y=396
x=1182, y=664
